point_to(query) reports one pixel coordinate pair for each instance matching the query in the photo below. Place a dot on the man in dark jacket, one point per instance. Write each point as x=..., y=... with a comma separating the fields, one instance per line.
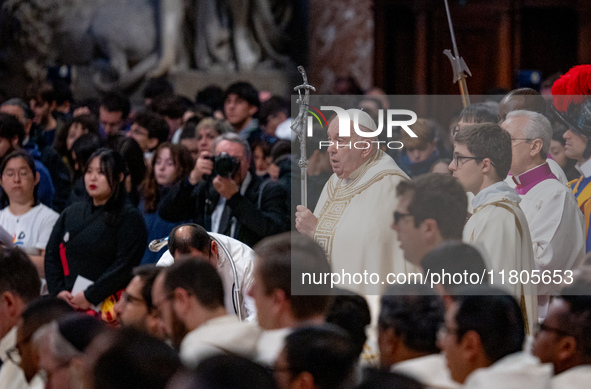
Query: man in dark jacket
x=231, y=204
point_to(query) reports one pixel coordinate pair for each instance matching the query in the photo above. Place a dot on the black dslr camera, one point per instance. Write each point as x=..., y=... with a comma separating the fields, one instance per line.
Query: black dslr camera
x=224, y=165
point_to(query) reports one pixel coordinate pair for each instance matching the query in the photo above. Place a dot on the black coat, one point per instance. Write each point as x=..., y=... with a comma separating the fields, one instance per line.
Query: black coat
x=103, y=245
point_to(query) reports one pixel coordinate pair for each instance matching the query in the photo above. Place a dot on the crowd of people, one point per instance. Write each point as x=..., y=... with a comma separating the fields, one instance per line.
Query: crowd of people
x=160, y=245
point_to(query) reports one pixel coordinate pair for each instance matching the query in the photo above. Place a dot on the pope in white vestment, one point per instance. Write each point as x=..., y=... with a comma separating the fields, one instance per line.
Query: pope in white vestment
x=500, y=227
x=354, y=218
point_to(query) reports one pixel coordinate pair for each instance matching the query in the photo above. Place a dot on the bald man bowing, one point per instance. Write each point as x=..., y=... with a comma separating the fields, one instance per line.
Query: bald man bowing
x=352, y=218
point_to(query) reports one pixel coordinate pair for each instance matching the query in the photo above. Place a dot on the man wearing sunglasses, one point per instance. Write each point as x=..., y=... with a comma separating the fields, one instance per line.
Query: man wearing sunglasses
x=431, y=209
x=481, y=161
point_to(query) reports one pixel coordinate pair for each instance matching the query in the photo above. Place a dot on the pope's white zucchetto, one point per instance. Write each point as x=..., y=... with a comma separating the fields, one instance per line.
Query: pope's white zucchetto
x=363, y=119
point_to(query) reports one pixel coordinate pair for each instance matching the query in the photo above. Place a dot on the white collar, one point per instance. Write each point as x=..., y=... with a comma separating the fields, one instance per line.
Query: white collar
x=584, y=168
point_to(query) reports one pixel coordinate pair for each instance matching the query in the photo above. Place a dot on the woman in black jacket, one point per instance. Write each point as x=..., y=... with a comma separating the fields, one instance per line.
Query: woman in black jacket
x=100, y=239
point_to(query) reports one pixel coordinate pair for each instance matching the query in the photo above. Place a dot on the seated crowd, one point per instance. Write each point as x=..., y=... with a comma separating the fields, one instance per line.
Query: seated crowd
x=90, y=298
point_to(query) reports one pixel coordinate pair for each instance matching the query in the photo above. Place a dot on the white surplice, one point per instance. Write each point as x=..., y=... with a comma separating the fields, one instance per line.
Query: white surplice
x=577, y=377
x=430, y=370
x=515, y=371
x=222, y=335
x=499, y=227
x=557, y=228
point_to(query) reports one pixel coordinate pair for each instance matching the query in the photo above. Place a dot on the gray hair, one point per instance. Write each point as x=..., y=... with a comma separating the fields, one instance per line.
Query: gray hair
x=537, y=127
x=59, y=347
x=235, y=138
x=219, y=126
x=15, y=101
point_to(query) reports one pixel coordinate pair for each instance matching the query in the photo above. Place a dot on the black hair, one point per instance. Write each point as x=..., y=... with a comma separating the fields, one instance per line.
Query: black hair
x=273, y=106
x=245, y=91
x=10, y=127
x=282, y=259
x=84, y=147
x=42, y=311
x=323, y=351
x=453, y=257
x=415, y=313
x=199, y=278
x=112, y=166
x=578, y=319
x=211, y=96
x=155, y=124
x=439, y=197
x=156, y=87
x=171, y=106
x=488, y=140
x=231, y=372
x=350, y=311
x=18, y=274
x=135, y=360
x=380, y=379
x=479, y=113
x=495, y=316
x=133, y=157
x=148, y=274
x=116, y=102
x=4, y=200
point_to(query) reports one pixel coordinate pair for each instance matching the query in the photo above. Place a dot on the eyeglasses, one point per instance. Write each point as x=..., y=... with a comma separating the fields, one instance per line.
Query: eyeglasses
x=128, y=298
x=458, y=158
x=545, y=328
x=399, y=215
x=22, y=173
x=13, y=353
x=527, y=140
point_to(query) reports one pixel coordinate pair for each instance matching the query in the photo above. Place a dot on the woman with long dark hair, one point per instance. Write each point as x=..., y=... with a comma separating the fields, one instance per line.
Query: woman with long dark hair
x=170, y=165
x=99, y=240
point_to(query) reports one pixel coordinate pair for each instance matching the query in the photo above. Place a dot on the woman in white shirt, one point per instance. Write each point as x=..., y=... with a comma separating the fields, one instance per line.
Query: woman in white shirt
x=28, y=222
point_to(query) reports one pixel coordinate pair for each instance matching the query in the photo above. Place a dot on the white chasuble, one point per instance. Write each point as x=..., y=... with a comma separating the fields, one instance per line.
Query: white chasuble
x=354, y=225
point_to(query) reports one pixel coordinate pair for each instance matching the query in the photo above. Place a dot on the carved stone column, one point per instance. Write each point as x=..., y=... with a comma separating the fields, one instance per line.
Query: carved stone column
x=341, y=42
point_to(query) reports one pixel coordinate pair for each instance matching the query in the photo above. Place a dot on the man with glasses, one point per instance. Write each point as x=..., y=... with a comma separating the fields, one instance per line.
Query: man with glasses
x=431, y=209
x=135, y=308
x=19, y=285
x=189, y=296
x=556, y=224
x=564, y=338
x=481, y=161
x=482, y=339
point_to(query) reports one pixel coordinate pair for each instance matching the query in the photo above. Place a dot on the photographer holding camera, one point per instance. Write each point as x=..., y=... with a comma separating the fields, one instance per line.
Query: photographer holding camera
x=223, y=196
